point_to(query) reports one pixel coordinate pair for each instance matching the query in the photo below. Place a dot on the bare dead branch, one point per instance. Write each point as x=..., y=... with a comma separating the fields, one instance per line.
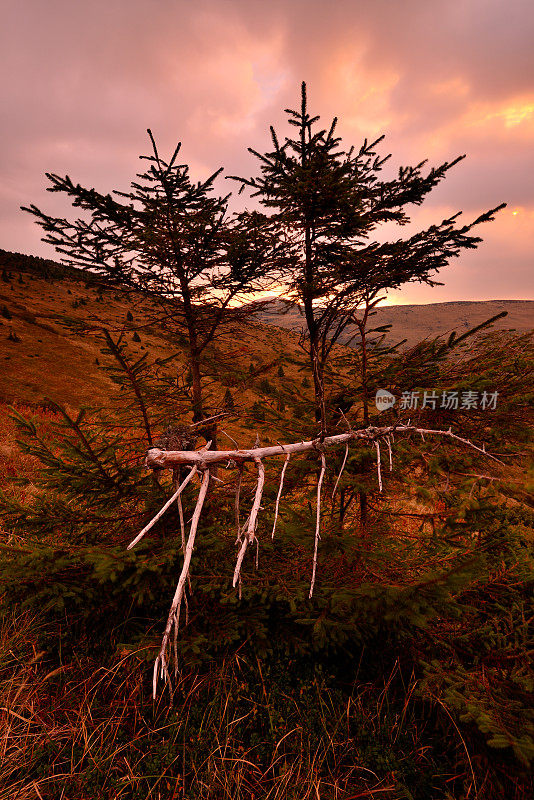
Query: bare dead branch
x=317, y=522
x=342, y=468
x=378, y=464
x=182, y=533
x=251, y=527
x=282, y=475
x=170, y=459
x=182, y=522
x=246, y=534
x=162, y=510
x=174, y=613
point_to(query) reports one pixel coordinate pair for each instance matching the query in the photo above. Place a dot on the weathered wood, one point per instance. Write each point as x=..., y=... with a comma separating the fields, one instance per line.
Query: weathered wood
x=201, y=461
x=170, y=459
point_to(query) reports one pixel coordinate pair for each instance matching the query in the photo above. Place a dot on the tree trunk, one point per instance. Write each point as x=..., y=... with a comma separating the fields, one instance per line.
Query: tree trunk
x=318, y=384
x=198, y=411
x=362, y=495
x=365, y=398
x=194, y=350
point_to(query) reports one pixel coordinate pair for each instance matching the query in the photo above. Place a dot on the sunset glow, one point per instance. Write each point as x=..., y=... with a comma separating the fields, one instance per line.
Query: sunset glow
x=82, y=82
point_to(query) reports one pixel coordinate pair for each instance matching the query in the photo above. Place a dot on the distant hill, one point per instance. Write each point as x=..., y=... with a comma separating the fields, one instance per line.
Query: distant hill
x=417, y=322
x=44, y=267
x=40, y=357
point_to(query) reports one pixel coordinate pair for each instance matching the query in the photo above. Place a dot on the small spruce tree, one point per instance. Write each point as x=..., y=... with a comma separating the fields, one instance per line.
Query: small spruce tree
x=228, y=401
x=328, y=202
x=172, y=239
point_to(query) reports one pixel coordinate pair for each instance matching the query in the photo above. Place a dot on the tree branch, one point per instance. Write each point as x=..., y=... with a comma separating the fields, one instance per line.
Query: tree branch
x=170, y=459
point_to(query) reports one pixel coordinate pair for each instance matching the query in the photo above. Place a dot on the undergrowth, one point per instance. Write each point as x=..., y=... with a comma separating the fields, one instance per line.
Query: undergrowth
x=409, y=674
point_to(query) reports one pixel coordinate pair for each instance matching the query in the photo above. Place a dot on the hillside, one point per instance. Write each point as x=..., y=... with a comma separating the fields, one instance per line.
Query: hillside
x=41, y=300
x=408, y=669
x=417, y=322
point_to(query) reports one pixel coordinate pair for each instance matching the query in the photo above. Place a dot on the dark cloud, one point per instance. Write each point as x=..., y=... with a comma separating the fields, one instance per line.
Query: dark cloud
x=80, y=82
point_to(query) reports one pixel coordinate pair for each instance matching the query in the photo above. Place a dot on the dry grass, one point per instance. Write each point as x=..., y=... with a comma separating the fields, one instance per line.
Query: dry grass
x=80, y=728
x=418, y=322
x=69, y=735
x=48, y=361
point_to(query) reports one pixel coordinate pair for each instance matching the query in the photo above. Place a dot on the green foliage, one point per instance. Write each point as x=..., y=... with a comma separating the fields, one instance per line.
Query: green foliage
x=326, y=204
x=258, y=412
x=89, y=463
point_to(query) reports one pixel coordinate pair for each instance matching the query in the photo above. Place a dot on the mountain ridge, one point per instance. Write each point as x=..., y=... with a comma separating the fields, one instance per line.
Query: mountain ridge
x=416, y=322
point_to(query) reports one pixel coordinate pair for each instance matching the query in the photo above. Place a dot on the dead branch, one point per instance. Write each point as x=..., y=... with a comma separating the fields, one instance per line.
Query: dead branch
x=280, y=493
x=251, y=528
x=170, y=459
x=341, y=470
x=317, y=522
x=378, y=464
x=174, y=613
x=201, y=460
x=162, y=510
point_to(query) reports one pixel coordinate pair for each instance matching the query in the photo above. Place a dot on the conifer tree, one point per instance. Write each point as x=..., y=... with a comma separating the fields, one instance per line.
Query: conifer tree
x=329, y=202
x=172, y=239
x=229, y=401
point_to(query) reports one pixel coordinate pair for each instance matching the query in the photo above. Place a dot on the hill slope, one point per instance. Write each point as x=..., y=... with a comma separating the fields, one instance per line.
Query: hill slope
x=41, y=357
x=417, y=322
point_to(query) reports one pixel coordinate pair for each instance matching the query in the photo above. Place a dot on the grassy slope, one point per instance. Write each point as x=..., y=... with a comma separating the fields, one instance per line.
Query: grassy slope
x=48, y=361
x=93, y=726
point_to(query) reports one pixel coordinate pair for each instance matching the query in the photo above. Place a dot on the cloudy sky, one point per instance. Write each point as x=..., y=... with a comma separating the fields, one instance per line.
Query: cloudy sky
x=81, y=82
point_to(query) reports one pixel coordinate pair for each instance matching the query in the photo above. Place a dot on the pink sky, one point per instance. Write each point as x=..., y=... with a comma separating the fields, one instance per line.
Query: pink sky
x=81, y=82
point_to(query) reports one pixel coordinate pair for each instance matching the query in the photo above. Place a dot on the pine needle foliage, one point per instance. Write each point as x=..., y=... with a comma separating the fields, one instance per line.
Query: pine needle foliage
x=329, y=202
x=410, y=672
x=172, y=239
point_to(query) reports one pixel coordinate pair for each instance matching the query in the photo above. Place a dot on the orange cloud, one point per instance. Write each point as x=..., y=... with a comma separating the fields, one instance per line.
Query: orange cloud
x=514, y=112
